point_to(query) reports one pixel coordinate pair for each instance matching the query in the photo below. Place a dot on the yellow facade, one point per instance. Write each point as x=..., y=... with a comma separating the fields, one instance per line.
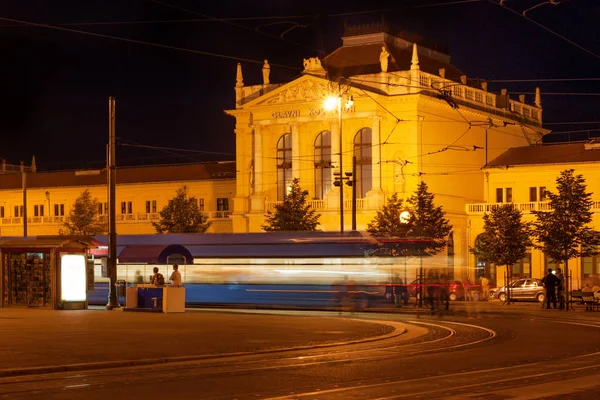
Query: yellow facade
x=426, y=121
x=524, y=181
x=415, y=135
x=138, y=203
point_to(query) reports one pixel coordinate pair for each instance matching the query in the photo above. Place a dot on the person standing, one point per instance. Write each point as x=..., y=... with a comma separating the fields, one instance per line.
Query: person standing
x=550, y=282
x=485, y=287
x=560, y=289
x=175, y=276
x=468, y=287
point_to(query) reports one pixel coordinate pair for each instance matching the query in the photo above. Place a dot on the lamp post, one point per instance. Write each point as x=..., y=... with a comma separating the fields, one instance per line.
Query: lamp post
x=331, y=103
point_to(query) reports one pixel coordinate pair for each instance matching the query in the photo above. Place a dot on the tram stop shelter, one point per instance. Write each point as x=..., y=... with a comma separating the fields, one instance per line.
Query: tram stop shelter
x=51, y=272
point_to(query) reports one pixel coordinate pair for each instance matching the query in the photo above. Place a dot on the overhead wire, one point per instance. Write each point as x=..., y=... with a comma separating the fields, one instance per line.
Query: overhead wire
x=164, y=46
x=558, y=35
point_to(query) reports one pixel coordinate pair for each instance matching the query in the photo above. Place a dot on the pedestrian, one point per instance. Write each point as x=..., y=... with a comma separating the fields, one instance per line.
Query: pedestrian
x=560, y=289
x=397, y=286
x=468, y=287
x=175, y=276
x=445, y=291
x=485, y=287
x=157, y=279
x=550, y=282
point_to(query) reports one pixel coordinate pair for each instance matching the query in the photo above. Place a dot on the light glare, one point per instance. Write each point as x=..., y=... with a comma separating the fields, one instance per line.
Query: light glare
x=330, y=103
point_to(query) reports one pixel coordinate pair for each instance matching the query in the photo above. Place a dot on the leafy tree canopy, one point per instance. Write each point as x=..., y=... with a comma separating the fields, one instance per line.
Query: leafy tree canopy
x=293, y=214
x=562, y=233
x=83, y=218
x=506, y=238
x=182, y=215
x=424, y=233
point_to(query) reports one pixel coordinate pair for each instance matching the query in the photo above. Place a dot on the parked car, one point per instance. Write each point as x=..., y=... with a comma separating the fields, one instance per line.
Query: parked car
x=530, y=289
x=456, y=290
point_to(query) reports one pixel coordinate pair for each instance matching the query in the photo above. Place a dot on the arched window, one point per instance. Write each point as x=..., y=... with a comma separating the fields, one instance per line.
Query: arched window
x=450, y=248
x=284, y=165
x=483, y=268
x=364, y=170
x=322, y=164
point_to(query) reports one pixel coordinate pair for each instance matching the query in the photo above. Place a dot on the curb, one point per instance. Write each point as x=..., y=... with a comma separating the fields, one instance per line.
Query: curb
x=399, y=330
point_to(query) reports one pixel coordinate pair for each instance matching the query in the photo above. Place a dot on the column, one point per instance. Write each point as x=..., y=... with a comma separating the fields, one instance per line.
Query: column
x=375, y=197
x=376, y=152
x=257, y=198
x=257, y=157
x=295, y=151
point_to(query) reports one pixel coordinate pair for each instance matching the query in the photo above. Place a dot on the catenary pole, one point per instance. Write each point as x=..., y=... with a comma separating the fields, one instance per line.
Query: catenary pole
x=112, y=222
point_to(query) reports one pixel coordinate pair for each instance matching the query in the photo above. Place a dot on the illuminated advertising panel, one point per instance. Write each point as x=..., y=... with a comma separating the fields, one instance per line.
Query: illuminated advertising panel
x=73, y=277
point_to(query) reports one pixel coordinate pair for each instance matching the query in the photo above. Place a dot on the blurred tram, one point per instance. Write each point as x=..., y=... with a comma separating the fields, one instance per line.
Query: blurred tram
x=299, y=269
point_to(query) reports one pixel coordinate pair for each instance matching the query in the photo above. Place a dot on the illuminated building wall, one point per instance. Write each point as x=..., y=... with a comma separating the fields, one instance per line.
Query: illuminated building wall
x=414, y=117
x=142, y=192
x=522, y=176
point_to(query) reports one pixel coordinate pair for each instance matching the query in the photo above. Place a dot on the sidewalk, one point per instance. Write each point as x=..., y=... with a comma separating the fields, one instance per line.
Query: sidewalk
x=51, y=339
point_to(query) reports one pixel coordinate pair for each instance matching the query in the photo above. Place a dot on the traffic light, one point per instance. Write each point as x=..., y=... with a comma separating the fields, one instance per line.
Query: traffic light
x=348, y=178
x=337, y=181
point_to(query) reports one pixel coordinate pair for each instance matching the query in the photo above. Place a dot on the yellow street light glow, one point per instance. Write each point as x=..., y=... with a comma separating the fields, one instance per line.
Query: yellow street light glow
x=330, y=103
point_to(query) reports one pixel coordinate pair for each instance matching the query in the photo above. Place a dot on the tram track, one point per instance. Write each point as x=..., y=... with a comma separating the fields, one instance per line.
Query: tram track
x=441, y=337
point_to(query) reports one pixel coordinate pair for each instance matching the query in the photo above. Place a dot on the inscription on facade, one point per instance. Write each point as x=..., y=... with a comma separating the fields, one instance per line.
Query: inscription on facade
x=313, y=112
x=285, y=114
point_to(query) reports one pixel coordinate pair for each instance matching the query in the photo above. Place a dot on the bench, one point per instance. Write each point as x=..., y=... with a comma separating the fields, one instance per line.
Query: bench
x=590, y=300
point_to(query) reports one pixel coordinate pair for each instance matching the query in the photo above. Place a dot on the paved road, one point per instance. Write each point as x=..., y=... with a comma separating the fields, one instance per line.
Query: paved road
x=481, y=351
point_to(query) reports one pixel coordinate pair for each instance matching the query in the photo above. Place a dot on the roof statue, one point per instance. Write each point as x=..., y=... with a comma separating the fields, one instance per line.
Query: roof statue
x=538, y=98
x=266, y=70
x=239, y=79
x=313, y=64
x=414, y=63
x=383, y=59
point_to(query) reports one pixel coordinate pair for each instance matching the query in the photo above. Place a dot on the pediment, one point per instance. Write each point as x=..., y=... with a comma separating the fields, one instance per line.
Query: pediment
x=305, y=89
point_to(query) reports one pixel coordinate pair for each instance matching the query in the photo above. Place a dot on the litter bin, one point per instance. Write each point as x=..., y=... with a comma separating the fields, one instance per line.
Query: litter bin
x=120, y=287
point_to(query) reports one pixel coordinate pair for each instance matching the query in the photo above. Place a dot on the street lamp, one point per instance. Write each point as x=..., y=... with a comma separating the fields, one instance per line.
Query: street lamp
x=330, y=104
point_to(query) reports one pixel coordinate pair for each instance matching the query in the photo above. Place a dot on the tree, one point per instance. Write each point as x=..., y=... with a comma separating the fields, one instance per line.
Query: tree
x=182, y=215
x=562, y=233
x=83, y=218
x=425, y=230
x=388, y=224
x=505, y=237
x=293, y=214
x=422, y=233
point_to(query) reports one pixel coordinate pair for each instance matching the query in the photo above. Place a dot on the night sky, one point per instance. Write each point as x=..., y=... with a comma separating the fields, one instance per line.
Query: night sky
x=56, y=84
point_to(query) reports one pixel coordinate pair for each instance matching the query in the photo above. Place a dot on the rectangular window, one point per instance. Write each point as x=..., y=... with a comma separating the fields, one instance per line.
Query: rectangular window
x=222, y=204
x=129, y=208
x=499, y=198
x=100, y=208
x=18, y=211
x=588, y=264
x=123, y=207
x=543, y=193
x=532, y=194
x=1, y=211
x=59, y=210
x=509, y=195
x=201, y=205
x=38, y=210
x=150, y=206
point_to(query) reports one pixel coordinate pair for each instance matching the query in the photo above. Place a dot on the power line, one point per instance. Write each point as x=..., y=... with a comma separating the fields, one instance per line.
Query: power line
x=166, y=21
x=561, y=93
x=546, y=29
x=572, y=123
x=448, y=3
x=541, y=80
x=164, y=46
x=228, y=22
